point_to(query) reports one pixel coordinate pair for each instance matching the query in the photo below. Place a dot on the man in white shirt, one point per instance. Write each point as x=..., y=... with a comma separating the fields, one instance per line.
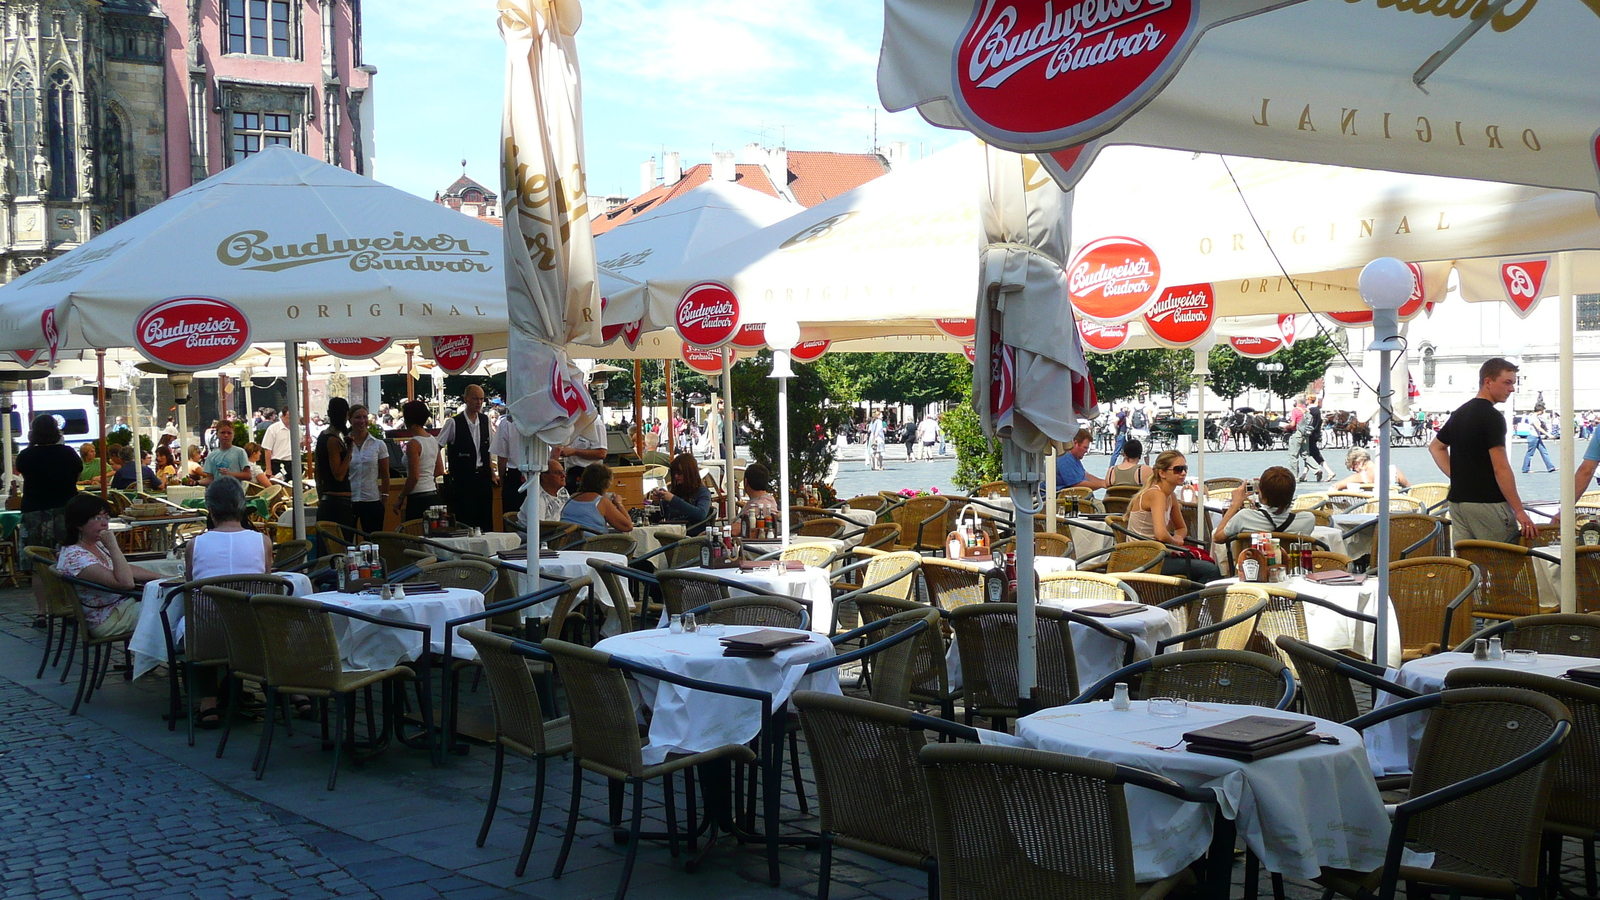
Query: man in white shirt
x=464, y=439
x=503, y=447
x=552, y=492
x=927, y=435
x=276, y=447
x=586, y=447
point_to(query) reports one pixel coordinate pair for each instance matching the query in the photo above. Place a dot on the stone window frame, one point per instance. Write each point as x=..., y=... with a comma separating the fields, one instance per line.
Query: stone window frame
x=294, y=100
x=295, y=37
x=1586, y=312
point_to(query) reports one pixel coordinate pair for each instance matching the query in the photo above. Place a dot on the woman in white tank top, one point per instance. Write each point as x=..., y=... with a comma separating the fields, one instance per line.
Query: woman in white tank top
x=423, y=465
x=228, y=548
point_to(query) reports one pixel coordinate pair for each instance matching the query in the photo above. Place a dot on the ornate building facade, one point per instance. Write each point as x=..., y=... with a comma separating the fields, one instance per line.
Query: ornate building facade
x=107, y=107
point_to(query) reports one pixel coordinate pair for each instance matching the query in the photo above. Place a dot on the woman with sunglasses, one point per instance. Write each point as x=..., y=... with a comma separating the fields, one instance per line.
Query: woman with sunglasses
x=1156, y=514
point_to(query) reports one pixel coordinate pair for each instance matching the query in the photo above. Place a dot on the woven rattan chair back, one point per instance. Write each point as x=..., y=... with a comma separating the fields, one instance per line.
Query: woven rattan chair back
x=1020, y=823
x=814, y=555
x=1564, y=634
x=610, y=543
x=1495, y=832
x=1325, y=693
x=302, y=652
x=870, y=794
x=992, y=489
x=290, y=553
x=1223, y=483
x=682, y=591
x=887, y=565
x=335, y=538
x=1328, y=560
x=605, y=730
x=874, y=607
x=872, y=502
x=899, y=670
x=392, y=546
x=1050, y=543
x=205, y=635
x=1588, y=580
x=986, y=635
x=1154, y=590
x=1575, y=801
x=1407, y=529
x=1423, y=589
x=684, y=552
x=558, y=535
x=415, y=526
x=1286, y=540
x=911, y=515
x=566, y=605
x=1398, y=503
x=1133, y=556
x=459, y=573
x=824, y=528
x=1430, y=494
x=1118, y=496
x=1284, y=615
x=1307, y=502
x=952, y=584
x=1216, y=605
x=57, y=602
x=1080, y=587
x=518, y=717
x=765, y=612
x=247, y=654
x=930, y=678
x=621, y=602
x=1215, y=676
x=1509, y=586
x=880, y=536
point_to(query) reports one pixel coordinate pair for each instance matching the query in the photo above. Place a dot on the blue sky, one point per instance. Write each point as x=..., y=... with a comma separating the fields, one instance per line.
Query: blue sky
x=686, y=75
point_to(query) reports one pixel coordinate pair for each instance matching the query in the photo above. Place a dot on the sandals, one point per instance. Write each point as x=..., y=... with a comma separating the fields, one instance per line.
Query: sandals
x=209, y=718
x=40, y=622
x=304, y=708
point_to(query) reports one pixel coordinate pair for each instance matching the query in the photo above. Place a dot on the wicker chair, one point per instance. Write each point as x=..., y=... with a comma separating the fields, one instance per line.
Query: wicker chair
x=1204, y=676
x=519, y=726
x=986, y=636
x=1083, y=587
x=874, y=503
x=606, y=741
x=90, y=675
x=1118, y=496
x=1224, y=483
x=1574, y=810
x=458, y=573
x=1216, y=618
x=302, y=657
x=1307, y=502
x=993, y=489
x=1428, y=594
x=205, y=639
x=1127, y=556
x=881, y=535
x=871, y=795
x=1154, y=590
x=1045, y=543
x=1021, y=823
x=624, y=585
x=766, y=612
x=1509, y=585
x=930, y=679
x=400, y=550
x=1588, y=600
x=816, y=556
x=58, y=611
x=1398, y=503
x=1410, y=534
x=290, y=554
x=921, y=521
x=622, y=544
x=1480, y=790
x=1327, y=687
x=1079, y=499
x=822, y=527
x=1563, y=634
x=1286, y=615
x=683, y=591
x=1284, y=539
x=951, y=583
x=561, y=535
x=335, y=538
x=896, y=651
x=1432, y=495
x=886, y=574
x=1327, y=561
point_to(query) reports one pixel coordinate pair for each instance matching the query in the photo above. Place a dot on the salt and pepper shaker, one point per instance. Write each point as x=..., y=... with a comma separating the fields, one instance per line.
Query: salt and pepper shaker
x=1496, y=649
x=399, y=592
x=675, y=624
x=1480, y=649
x=1119, y=695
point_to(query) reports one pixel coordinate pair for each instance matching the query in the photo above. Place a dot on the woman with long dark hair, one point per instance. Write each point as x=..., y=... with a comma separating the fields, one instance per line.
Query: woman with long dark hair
x=332, y=459
x=685, y=498
x=92, y=554
x=49, y=470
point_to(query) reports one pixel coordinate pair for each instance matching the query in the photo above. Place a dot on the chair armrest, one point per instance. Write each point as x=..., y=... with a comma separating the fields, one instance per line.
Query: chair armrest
x=1099, y=626
x=1152, y=781
x=1334, y=607
x=870, y=649
x=1544, y=555
x=1213, y=628
x=945, y=727
x=1394, y=710
x=711, y=687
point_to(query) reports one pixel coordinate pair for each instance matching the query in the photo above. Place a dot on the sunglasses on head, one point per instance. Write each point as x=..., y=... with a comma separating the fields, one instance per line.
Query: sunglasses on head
x=1181, y=470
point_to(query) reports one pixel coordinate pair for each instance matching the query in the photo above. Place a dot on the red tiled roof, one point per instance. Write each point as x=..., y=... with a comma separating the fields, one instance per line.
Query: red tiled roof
x=816, y=176
x=750, y=176
x=462, y=184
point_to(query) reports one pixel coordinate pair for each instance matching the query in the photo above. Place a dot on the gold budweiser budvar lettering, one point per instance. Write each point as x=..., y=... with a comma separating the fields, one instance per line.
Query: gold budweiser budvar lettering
x=214, y=331
x=254, y=251
x=1193, y=306
x=712, y=315
x=1130, y=277
x=1066, y=37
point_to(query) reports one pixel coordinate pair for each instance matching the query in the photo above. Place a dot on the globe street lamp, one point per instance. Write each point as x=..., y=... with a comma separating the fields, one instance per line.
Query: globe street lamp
x=1386, y=284
x=781, y=336
x=1270, y=369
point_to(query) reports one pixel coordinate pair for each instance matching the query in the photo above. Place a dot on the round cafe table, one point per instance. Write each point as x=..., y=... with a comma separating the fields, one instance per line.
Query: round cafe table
x=567, y=564
x=149, y=643
x=809, y=584
x=689, y=721
x=1300, y=811
x=368, y=646
x=1329, y=630
x=487, y=544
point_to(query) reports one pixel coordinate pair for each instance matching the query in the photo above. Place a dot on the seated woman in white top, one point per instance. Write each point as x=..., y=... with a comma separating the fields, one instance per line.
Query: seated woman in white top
x=1270, y=513
x=228, y=548
x=1364, y=474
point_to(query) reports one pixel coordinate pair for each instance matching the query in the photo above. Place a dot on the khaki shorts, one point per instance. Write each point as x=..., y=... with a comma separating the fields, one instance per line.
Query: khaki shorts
x=1483, y=522
x=124, y=616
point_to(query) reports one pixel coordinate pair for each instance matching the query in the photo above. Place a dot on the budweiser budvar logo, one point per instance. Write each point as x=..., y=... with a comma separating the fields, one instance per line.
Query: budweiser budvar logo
x=707, y=362
x=960, y=329
x=708, y=315
x=809, y=351
x=254, y=251
x=751, y=337
x=1255, y=347
x=52, y=335
x=1101, y=336
x=453, y=352
x=1037, y=73
x=355, y=347
x=1113, y=278
x=192, y=332
x=568, y=396
x=1002, y=378
x=1524, y=283
x=1181, y=315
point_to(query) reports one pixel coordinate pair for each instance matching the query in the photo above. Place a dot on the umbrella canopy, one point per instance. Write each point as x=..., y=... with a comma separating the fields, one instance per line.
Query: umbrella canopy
x=279, y=247
x=1381, y=85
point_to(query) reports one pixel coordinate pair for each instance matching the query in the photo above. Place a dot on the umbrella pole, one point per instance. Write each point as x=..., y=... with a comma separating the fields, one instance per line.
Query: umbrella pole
x=1569, y=441
x=411, y=374
x=180, y=399
x=1050, y=489
x=1380, y=641
x=783, y=447
x=729, y=488
x=5, y=423
x=666, y=373
x=1202, y=516
x=1022, y=473
x=291, y=355
x=100, y=404
x=638, y=410
x=133, y=428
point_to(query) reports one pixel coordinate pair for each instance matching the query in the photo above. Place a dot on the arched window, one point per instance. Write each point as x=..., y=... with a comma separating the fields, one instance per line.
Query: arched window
x=24, y=131
x=1429, y=367
x=61, y=124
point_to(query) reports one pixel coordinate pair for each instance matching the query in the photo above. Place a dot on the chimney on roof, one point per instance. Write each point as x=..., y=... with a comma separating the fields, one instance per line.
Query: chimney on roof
x=671, y=168
x=722, y=167
x=896, y=154
x=647, y=175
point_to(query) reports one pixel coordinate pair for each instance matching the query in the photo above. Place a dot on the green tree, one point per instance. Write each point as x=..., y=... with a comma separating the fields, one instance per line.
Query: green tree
x=1303, y=363
x=977, y=456
x=1231, y=374
x=755, y=395
x=917, y=379
x=1127, y=373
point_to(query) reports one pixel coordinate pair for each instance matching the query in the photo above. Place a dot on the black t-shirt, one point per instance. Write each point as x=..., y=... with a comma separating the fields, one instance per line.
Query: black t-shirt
x=49, y=476
x=326, y=483
x=1474, y=429
x=127, y=477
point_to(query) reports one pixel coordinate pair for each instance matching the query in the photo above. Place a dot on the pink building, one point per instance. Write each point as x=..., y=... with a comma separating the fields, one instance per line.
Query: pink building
x=245, y=74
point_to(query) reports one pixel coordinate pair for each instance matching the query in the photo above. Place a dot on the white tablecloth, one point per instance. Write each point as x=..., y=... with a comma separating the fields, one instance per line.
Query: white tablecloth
x=862, y=519
x=369, y=646
x=1096, y=654
x=809, y=584
x=753, y=549
x=567, y=564
x=1392, y=745
x=650, y=538
x=688, y=721
x=1362, y=542
x=1330, y=630
x=149, y=644
x=1044, y=565
x=1085, y=542
x=1299, y=811
x=487, y=544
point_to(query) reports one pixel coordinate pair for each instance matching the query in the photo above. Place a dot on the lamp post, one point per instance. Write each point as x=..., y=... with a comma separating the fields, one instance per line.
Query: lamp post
x=782, y=335
x=1270, y=369
x=1386, y=284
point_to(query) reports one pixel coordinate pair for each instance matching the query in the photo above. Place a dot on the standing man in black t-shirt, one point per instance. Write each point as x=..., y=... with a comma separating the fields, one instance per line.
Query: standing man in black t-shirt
x=1471, y=451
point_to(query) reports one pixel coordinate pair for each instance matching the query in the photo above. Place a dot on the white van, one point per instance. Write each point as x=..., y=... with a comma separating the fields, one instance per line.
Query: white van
x=77, y=415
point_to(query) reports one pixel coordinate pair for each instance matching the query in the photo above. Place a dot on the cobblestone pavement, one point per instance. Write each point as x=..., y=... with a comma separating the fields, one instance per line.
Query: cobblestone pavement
x=112, y=804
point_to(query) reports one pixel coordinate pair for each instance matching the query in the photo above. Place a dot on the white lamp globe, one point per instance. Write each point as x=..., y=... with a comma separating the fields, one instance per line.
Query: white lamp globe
x=782, y=334
x=1386, y=283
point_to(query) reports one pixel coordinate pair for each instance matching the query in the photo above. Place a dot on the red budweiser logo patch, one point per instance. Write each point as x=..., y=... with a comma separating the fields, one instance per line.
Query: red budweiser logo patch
x=1182, y=315
x=1112, y=278
x=192, y=333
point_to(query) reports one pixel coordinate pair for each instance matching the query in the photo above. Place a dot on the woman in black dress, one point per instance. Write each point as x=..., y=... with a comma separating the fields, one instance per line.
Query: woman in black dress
x=49, y=471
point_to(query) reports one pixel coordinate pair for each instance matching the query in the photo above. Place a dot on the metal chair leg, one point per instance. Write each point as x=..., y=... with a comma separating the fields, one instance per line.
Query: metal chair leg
x=340, y=734
x=671, y=805
x=633, y=838
x=572, y=822
x=494, y=791
x=49, y=634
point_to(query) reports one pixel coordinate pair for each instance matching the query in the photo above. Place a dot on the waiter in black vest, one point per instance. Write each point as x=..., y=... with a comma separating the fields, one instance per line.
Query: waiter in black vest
x=465, y=438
